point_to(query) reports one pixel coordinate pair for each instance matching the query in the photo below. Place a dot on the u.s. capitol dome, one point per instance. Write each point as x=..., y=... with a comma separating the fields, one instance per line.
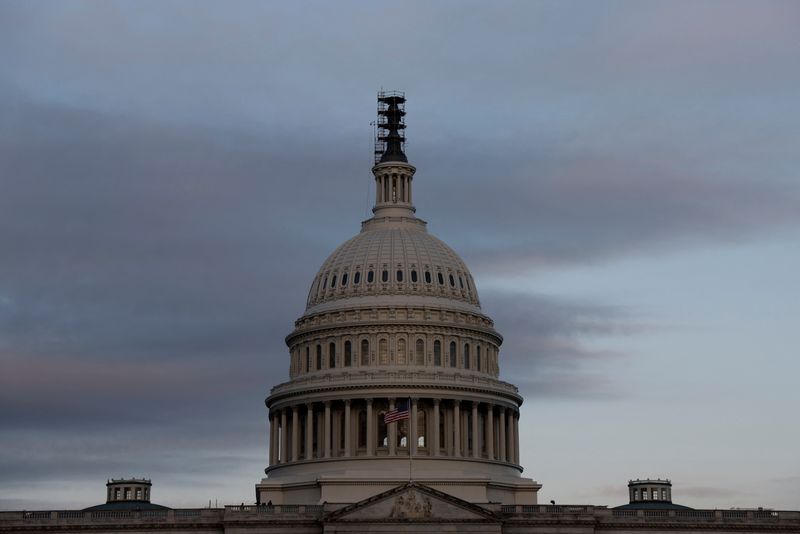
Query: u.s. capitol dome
x=393, y=366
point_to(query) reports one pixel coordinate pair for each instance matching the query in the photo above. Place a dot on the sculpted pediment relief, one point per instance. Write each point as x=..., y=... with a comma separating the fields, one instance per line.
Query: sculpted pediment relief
x=412, y=502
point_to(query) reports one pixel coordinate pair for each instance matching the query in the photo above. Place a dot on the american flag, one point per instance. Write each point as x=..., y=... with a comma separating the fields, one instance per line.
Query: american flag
x=400, y=412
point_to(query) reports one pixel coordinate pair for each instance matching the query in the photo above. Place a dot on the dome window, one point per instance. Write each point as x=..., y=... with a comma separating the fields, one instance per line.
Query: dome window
x=348, y=354
x=441, y=278
x=466, y=356
x=344, y=280
x=325, y=283
x=414, y=276
x=332, y=355
x=385, y=276
x=333, y=281
x=452, y=281
x=460, y=282
x=357, y=278
x=453, y=361
x=437, y=353
x=427, y=277
x=370, y=277
x=399, y=275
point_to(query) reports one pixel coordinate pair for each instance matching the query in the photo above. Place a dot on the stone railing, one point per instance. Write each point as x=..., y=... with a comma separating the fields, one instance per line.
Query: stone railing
x=249, y=510
x=605, y=515
x=202, y=515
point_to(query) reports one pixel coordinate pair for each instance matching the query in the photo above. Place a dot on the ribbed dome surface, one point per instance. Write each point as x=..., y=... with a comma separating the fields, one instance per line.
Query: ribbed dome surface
x=393, y=257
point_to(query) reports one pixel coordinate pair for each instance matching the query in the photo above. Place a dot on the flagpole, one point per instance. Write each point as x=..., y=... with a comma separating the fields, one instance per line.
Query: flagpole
x=410, y=456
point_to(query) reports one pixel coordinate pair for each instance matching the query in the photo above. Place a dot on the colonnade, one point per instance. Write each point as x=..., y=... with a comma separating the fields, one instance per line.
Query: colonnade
x=436, y=427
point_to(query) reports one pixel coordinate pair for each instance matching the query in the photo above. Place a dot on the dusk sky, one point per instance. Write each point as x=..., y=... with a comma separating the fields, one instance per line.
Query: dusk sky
x=620, y=176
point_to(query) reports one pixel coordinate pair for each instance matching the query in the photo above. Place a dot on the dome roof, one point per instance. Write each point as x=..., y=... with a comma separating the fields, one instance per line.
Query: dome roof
x=393, y=259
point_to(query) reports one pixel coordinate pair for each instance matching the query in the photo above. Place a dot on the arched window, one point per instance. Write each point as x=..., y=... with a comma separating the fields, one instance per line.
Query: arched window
x=325, y=283
x=399, y=275
x=414, y=276
x=364, y=352
x=383, y=352
x=357, y=278
x=427, y=277
x=309, y=363
x=441, y=278
x=384, y=276
x=344, y=280
x=370, y=277
x=319, y=356
x=452, y=281
x=466, y=356
x=362, y=428
x=401, y=352
x=348, y=354
x=478, y=358
x=460, y=282
x=453, y=362
x=332, y=355
x=420, y=352
x=437, y=353
x=333, y=281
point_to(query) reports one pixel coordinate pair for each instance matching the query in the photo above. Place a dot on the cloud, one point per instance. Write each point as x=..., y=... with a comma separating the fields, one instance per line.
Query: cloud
x=547, y=350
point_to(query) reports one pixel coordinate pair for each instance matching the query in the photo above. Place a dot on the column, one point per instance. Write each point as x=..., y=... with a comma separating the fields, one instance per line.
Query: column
x=476, y=445
x=283, y=453
x=273, y=442
x=328, y=429
x=370, y=430
x=412, y=429
x=501, y=418
x=510, y=435
x=309, y=431
x=489, y=434
x=456, y=428
x=295, y=433
x=434, y=439
x=347, y=429
x=391, y=431
x=516, y=438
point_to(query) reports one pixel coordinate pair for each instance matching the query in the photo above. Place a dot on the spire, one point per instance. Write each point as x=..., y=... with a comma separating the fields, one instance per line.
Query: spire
x=393, y=174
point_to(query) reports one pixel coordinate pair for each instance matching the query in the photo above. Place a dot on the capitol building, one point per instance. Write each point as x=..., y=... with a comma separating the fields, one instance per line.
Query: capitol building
x=394, y=418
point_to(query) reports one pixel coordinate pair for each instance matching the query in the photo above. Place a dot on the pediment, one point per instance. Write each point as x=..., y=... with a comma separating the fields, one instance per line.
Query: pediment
x=412, y=502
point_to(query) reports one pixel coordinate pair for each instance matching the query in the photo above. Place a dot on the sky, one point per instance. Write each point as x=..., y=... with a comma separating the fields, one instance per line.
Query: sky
x=620, y=176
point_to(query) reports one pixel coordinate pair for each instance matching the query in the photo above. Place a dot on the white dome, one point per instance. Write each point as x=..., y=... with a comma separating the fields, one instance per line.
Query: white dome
x=393, y=259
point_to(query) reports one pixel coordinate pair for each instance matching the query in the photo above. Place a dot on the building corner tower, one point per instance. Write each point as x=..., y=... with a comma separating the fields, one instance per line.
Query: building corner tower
x=393, y=324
